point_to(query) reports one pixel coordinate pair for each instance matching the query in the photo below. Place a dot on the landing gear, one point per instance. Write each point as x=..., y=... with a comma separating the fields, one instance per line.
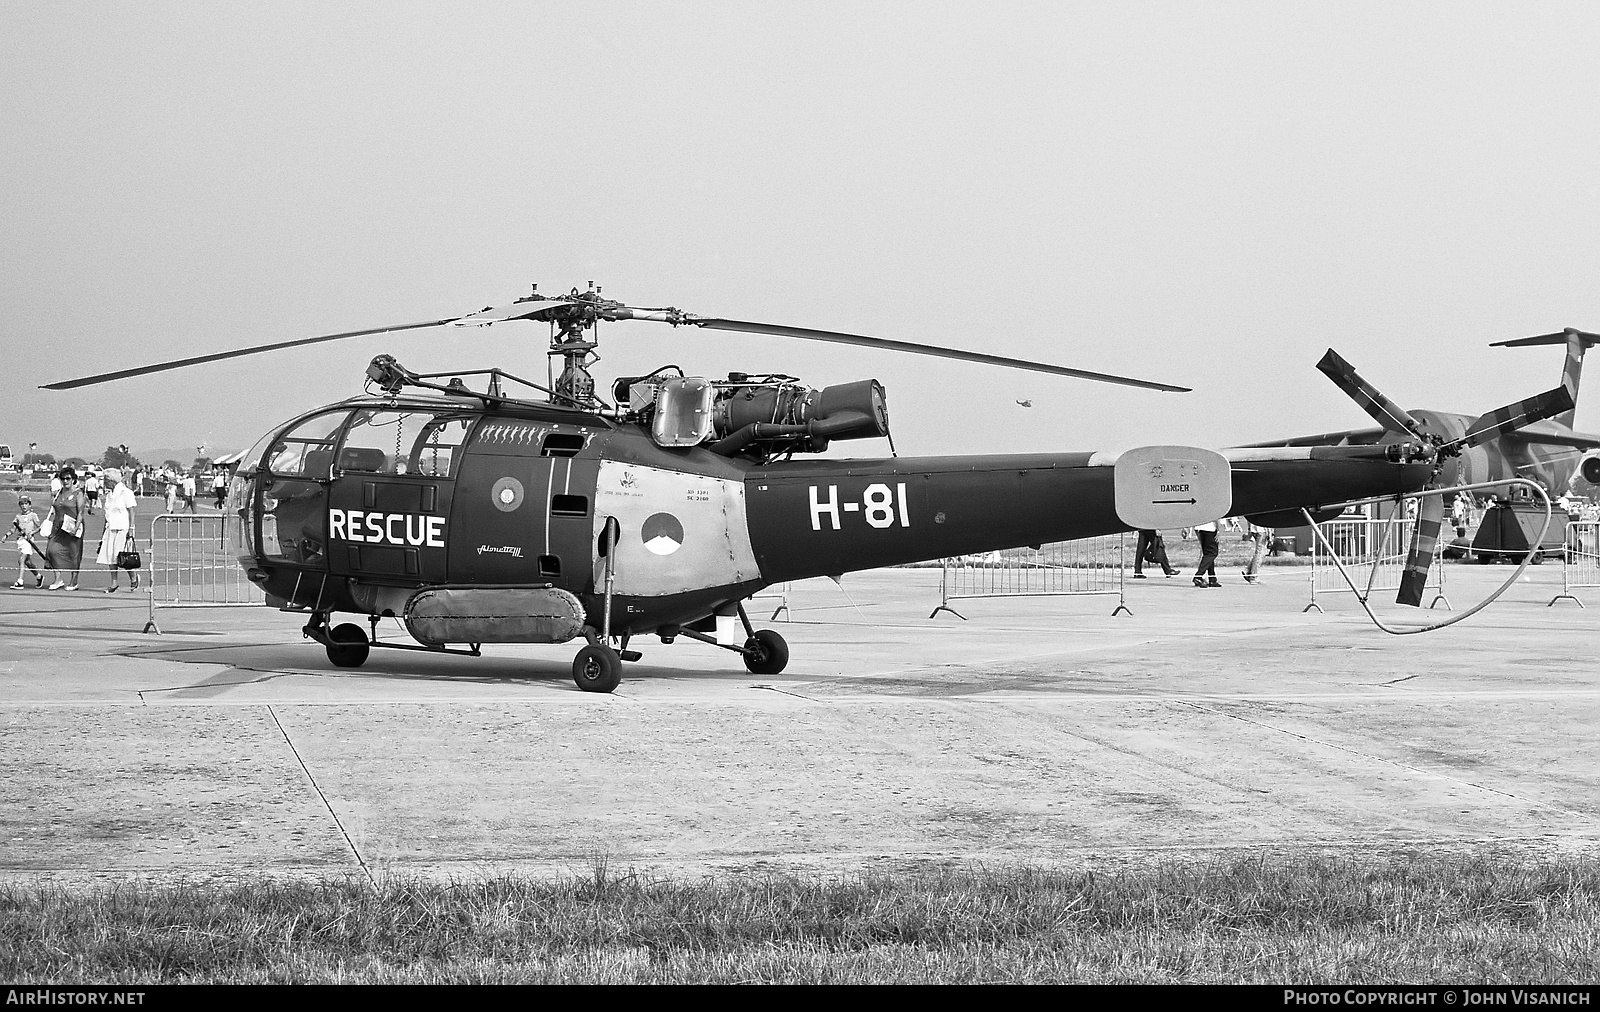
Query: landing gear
x=347, y=646
x=597, y=668
x=766, y=653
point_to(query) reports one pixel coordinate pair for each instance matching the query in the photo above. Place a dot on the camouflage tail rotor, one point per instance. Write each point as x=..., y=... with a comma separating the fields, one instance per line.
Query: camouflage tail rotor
x=1430, y=445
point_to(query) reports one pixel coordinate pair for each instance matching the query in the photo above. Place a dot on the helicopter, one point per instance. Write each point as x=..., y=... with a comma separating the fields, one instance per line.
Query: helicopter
x=474, y=515
x=1531, y=439
x=1549, y=450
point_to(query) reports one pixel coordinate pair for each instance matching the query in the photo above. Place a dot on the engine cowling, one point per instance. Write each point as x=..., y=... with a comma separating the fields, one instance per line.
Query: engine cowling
x=771, y=418
x=754, y=415
x=1589, y=467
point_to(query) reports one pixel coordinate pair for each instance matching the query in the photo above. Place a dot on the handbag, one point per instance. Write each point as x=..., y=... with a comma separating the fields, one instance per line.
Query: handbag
x=48, y=526
x=128, y=558
x=1152, y=551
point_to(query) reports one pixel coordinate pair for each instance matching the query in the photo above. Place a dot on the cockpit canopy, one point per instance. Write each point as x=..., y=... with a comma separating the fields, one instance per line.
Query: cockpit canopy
x=374, y=439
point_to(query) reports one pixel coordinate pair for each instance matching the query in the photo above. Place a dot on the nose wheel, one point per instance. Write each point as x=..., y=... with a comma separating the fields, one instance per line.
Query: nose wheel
x=347, y=646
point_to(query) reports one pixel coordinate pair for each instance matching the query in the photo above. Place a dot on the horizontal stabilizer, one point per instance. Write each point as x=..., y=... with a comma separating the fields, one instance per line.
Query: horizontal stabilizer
x=1589, y=340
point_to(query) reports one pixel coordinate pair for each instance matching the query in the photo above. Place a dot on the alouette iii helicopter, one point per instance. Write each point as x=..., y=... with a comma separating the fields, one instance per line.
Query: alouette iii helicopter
x=474, y=516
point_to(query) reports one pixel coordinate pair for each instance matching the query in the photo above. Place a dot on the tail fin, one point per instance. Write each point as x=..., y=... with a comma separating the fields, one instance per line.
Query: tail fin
x=1577, y=341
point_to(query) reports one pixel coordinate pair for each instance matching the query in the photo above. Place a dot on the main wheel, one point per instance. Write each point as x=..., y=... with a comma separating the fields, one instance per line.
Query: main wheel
x=766, y=653
x=597, y=669
x=352, y=648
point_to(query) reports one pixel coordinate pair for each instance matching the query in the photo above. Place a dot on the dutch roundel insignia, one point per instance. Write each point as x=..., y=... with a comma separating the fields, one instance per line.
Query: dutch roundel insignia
x=662, y=534
x=506, y=494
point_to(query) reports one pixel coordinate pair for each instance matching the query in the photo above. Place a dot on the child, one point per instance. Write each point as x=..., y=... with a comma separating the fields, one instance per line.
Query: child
x=1263, y=539
x=24, y=527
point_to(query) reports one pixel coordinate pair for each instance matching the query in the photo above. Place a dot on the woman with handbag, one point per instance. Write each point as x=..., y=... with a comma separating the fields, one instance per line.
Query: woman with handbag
x=119, y=505
x=65, y=548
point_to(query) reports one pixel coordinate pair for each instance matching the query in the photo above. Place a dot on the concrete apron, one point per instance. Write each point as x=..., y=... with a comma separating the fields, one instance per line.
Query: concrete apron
x=1041, y=730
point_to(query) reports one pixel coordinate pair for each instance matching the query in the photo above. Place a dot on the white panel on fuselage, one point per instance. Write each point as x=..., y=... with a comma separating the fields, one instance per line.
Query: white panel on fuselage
x=680, y=532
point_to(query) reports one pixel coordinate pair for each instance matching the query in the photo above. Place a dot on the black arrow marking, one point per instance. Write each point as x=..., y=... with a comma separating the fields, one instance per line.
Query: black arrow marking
x=1191, y=502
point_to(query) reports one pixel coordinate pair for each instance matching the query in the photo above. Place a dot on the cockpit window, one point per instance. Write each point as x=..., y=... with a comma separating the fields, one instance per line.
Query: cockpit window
x=305, y=451
x=385, y=441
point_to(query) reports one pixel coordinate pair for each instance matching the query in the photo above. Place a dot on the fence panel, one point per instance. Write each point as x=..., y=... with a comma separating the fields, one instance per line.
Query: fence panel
x=192, y=564
x=1083, y=567
x=1373, y=552
x=1580, y=562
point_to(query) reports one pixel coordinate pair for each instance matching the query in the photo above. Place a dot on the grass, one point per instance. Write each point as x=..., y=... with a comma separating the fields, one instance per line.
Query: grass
x=1420, y=918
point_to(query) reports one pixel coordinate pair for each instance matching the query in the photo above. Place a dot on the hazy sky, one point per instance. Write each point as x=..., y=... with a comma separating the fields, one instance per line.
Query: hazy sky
x=1204, y=194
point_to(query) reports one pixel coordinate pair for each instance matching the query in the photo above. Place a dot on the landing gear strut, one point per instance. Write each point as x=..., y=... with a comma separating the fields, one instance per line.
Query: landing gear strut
x=764, y=651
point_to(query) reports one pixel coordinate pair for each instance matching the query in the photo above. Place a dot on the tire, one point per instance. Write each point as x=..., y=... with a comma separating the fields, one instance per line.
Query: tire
x=352, y=649
x=597, y=669
x=766, y=653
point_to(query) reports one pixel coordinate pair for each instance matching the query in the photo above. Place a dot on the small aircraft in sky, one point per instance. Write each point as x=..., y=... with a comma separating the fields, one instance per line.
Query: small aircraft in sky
x=1025, y=404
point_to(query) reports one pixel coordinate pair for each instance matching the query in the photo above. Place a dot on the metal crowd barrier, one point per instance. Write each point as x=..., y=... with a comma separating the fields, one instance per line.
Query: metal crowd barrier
x=1084, y=567
x=1379, y=546
x=1580, y=563
x=778, y=592
x=191, y=563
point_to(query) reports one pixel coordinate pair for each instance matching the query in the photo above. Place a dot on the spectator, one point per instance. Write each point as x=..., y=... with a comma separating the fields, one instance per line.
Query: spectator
x=1263, y=540
x=188, y=493
x=65, y=548
x=172, y=494
x=24, y=527
x=120, y=507
x=91, y=490
x=1152, y=548
x=1205, y=574
x=219, y=486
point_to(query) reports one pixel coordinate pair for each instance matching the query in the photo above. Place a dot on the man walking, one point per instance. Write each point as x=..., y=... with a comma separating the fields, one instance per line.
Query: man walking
x=1152, y=548
x=1205, y=574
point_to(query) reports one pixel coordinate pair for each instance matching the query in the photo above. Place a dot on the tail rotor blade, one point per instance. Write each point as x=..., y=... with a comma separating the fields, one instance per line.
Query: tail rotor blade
x=1430, y=517
x=1513, y=416
x=1387, y=413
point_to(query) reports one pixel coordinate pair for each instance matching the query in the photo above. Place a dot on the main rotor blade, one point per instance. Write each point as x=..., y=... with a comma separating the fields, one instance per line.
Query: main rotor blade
x=515, y=311
x=862, y=341
x=1385, y=412
x=107, y=377
x=1513, y=416
x=1424, y=543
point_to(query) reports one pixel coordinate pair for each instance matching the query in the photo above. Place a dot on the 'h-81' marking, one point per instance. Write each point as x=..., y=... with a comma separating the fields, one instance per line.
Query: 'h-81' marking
x=879, y=500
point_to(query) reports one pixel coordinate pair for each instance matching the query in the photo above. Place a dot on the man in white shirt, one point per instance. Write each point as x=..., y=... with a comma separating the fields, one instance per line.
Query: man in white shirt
x=120, y=506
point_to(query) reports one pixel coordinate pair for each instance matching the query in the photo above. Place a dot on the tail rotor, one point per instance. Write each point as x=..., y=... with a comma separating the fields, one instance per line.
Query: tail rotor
x=1431, y=446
